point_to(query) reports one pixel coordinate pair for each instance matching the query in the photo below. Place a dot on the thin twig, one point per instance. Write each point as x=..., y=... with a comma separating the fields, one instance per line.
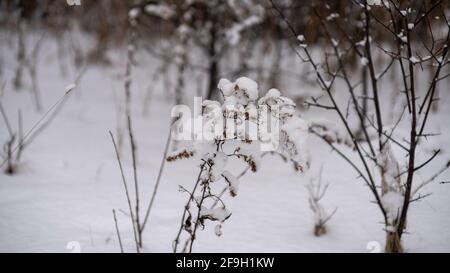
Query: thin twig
x=117, y=231
x=133, y=222
x=158, y=179
x=186, y=208
x=136, y=184
x=5, y=118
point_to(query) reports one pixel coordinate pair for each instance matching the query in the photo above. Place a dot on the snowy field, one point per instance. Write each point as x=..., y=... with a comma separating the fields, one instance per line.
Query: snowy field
x=68, y=181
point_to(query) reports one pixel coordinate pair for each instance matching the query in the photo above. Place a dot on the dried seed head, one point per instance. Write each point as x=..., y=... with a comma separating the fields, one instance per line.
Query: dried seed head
x=297, y=167
x=180, y=155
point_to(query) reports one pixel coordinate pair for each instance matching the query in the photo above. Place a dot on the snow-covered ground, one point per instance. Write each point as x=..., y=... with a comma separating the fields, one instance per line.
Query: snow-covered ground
x=69, y=182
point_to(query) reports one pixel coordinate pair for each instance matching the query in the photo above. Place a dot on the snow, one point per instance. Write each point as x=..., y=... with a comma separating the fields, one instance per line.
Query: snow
x=226, y=87
x=297, y=131
x=301, y=38
x=381, y=3
x=219, y=161
x=233, y=181
x=218, y=230
x=364, y=61
x=273, y=99
x=134, y=13
x=332, y=16
x=248, y=86
x=374, y=2
x=393, y=202
x=403, y=37
x=241, y=92
x=362, y=43
x=162, y=10
x=414, y=59
x=390, y=165
x=218, y=214
x=70, y=87
x=334, y=42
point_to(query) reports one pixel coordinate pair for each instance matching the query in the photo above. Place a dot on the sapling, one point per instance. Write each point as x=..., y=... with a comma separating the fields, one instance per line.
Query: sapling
x=414, y=43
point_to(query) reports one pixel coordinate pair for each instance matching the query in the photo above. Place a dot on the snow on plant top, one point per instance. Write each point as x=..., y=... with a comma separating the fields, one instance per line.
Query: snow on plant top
x=273, y=99
x=245, y=119
x=241, y=92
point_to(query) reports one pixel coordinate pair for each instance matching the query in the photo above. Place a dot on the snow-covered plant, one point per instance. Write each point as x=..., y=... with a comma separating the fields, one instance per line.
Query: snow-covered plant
x=316, y=192
x=241, y=128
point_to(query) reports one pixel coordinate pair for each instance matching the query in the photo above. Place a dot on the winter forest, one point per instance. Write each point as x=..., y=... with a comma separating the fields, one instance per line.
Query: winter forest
x=224, y=126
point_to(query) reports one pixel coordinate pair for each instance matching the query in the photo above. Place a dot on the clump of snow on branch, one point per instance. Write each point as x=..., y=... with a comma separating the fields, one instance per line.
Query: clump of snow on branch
x=378, y=3
x=241, y=92
x=232, y=181
x=218, y=214
x=134, y=13
x=217, y=162
x=293, y=130
x=162, y=10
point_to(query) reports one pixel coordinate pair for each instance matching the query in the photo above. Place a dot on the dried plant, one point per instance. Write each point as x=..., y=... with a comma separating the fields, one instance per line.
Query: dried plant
x=316, y=191
x=238, y=129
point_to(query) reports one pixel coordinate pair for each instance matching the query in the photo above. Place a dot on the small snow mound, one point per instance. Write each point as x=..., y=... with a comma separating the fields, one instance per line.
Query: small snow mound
x=232, y=181
x=70, y=87
x=248, y=86
x=225, y=86
x=241, y=92
x=273, y=93
x=134, y=13
x=392, y=202
x=218, y=214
